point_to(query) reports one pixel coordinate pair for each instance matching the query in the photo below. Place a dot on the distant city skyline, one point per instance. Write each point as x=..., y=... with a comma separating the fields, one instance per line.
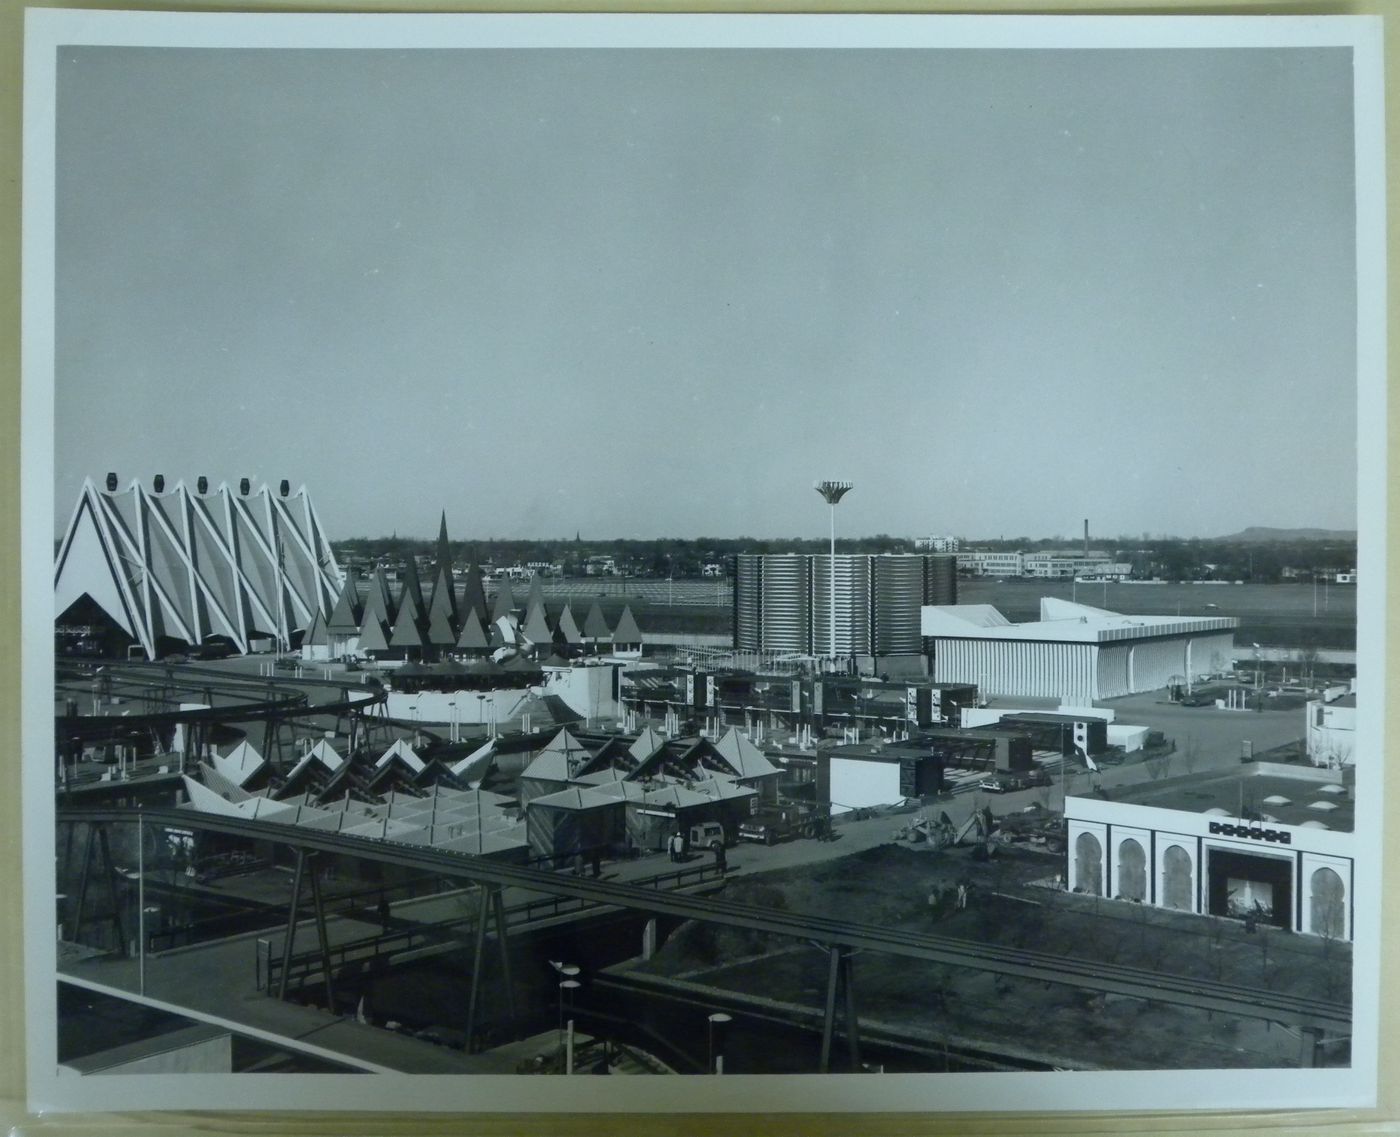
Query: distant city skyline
x=646, y=294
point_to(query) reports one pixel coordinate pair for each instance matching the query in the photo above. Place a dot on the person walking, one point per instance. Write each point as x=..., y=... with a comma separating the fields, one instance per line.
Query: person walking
x=719, y=857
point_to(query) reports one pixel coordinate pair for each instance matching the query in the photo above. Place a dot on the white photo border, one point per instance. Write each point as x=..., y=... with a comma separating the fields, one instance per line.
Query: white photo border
x=1352, y=1088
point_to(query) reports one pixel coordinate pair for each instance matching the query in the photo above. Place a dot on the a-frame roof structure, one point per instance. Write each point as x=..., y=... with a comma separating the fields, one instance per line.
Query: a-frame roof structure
x=189, y=564
x=746, y=759
x=536, y=593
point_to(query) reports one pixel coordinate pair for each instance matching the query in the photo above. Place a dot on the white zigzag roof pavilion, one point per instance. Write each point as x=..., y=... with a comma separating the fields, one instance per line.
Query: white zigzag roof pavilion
x=181, y=564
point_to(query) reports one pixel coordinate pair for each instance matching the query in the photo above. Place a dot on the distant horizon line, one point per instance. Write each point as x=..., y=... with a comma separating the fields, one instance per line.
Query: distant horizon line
x=1296, y=533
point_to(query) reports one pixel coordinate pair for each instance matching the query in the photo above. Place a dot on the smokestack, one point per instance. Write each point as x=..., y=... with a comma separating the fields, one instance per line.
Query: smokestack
x=1086, y=538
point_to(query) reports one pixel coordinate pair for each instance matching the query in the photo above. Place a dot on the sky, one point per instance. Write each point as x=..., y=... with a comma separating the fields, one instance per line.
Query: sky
x=659, y=293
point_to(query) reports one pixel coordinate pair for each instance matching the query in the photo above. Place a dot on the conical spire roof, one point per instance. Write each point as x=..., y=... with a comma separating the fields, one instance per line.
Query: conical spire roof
x=315, y=633
x=411, y=621
x=377, y=602
x=441, y=631
x=413, y=588
x=595, y=627
x=348, y=611
x=473, y=634
x=537, y=629
x=442, y=607
x=505, y=601
x=566, y=630
x=536, y=595
x=374, y=634
x=443, y=562
x=627, y=631
x=474, y=595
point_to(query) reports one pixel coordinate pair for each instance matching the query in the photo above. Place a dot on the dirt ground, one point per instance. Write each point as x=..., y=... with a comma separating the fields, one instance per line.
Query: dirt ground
x=1012, y=903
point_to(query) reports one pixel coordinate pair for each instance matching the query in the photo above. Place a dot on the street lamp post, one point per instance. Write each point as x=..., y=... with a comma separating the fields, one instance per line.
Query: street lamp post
x=566, y=989
x=717, y=1021
x=833, y=492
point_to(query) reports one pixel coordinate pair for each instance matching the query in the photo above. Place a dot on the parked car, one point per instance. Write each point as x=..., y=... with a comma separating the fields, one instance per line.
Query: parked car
x=995, y=785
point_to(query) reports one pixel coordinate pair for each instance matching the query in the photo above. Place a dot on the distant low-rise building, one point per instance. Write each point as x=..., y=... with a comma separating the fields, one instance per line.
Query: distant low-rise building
x=980, y=562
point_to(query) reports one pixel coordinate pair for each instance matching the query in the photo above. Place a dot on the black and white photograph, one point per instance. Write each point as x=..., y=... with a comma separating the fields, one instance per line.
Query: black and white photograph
x=703, y=563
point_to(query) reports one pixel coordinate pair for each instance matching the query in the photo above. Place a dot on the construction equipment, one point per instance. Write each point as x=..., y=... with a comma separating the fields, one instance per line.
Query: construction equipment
x=937, y=832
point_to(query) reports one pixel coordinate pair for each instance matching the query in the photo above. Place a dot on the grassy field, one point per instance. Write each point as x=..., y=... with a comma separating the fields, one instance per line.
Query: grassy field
x=1274, y=615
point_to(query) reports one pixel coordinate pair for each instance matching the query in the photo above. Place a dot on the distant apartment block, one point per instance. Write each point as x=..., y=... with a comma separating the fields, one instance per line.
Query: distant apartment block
x=982, y=563
x=937, y=544
x=1045, y=565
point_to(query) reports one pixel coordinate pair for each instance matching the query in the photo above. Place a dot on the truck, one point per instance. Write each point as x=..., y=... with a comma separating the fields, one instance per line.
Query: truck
x=785, y=820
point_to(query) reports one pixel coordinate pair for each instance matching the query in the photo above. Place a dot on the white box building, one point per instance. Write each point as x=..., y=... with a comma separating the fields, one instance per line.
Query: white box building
x=1073, y=652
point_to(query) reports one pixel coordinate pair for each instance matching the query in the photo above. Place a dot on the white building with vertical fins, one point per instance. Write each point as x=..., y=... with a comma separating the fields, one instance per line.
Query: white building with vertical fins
x=177, y=566
x=1073, y=652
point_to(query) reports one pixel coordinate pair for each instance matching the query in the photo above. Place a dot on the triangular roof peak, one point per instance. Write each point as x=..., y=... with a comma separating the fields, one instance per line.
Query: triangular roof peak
x=746, y=759
x=566, y=630
x=404, y=753
x=348, y=612
x=595, y=627
x=473, y=633
x=505, y=600
x=647, y=744
x=627, y=631
x=408, y=625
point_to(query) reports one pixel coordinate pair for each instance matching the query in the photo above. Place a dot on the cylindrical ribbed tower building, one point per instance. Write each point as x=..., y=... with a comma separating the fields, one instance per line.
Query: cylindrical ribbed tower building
x=782, y=602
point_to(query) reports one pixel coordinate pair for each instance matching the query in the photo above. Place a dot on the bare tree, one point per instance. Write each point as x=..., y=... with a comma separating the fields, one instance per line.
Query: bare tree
x=1159, y=764
x=1190, y=754
x=1307, y=658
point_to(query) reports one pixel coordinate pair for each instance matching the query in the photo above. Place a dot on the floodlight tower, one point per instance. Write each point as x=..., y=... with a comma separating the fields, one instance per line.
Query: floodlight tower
x=833, y=492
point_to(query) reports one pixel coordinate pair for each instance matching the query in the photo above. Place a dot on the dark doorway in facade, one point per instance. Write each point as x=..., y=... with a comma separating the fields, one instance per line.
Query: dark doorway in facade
x=1243, y=885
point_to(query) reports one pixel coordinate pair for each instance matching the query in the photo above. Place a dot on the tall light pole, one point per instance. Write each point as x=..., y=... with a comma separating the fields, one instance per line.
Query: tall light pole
x=717, y=1021
x=833, y=492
